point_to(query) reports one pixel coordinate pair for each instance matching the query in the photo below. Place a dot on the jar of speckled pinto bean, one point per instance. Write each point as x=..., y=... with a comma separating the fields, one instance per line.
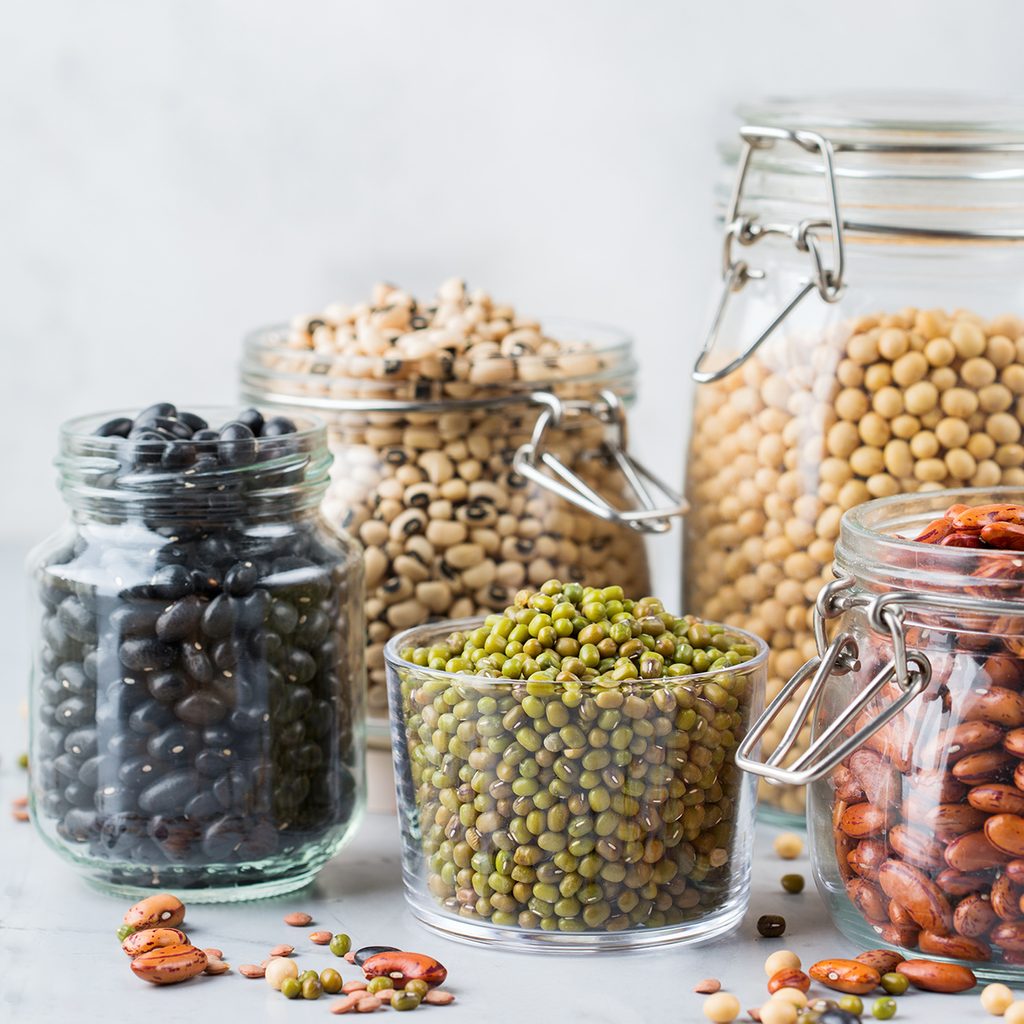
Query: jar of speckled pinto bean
x=476, y=451
x=869, y=342
x=915, y=771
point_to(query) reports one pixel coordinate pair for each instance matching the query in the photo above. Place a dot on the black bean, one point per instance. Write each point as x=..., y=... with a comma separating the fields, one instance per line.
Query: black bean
x=170, y=793
x=119, y=426
x=251, y=418
x=137, y=772
x=168, y=687
x=219, y=617
x=77, y=621
x=196, y=663
x=146, y=654
x=223, y=836
x=180, y=619
x=172, y=426
x=211, y=763
x=174, y=744
x=278, y=425
x=200, y=709
x=152, y=412
x=171, y=582
x=237, y=445
x=149, y=718
x=89, y=773
x=81, y=742
x=136, y=618
x=203, y=806
x=178, y=455
x=191, y=420
x=74, y=712
x=240, y=578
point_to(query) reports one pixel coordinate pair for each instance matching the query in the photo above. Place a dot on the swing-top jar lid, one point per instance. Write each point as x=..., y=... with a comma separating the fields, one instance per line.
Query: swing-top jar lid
x=932, y=164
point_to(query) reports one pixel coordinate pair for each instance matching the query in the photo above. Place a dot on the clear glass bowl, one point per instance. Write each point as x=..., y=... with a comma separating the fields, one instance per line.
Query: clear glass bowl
x=572, y=816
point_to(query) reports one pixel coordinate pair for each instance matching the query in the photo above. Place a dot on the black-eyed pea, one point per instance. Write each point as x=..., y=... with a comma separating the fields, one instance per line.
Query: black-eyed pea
x=406, y=614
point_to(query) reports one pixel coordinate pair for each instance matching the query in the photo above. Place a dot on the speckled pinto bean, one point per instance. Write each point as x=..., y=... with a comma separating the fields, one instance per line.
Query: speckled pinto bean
x=894, y=402
x=850, y=976
x=168, y=965
x=450, y=529
x=162, y=909
x=152, y=938
x=402, y=967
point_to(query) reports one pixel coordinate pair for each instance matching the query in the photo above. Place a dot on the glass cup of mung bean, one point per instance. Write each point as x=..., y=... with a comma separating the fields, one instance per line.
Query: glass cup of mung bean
x=565, y=771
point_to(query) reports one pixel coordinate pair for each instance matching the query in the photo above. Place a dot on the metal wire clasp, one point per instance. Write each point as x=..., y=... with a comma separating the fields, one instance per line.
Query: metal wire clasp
x=559, y=479
x=745, y=230
x=910, y=669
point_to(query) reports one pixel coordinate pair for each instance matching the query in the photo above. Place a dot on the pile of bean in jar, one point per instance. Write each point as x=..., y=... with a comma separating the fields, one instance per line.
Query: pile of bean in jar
x=914, y=400
x=450, y=528
x=196, y=706
x=928, y=817
x=571, y=761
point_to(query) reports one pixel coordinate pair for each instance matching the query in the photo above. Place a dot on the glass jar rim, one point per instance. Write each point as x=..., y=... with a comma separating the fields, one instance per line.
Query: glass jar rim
x=98, y=476
x=261, y=383
x=439, y=630
x=874, y=545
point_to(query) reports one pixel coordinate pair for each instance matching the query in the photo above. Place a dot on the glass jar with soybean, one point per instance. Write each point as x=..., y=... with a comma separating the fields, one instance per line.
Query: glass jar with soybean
x=476, y=451
x=565, y=771
x=869, y=342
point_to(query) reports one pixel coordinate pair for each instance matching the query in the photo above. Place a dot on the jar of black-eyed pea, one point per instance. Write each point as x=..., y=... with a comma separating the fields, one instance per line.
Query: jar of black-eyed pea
x=198, y=702
x=869, y=342
x=476, y=451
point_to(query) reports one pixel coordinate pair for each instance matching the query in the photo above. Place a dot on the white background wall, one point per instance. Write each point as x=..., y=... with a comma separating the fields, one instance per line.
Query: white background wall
x=173, y=172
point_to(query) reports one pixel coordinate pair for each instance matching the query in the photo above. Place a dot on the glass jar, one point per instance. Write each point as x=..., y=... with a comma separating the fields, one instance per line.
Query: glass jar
x=531, y=844
x=869, y=341
x=197, y=706
x=917, y=754
x=463, y=491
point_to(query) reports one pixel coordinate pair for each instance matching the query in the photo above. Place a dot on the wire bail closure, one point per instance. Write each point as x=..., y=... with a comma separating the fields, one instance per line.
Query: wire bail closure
x=532, y=459
x=745, y=230
x=910, y=669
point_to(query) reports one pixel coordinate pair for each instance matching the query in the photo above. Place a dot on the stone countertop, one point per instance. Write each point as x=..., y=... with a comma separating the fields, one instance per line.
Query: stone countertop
x=62, y=961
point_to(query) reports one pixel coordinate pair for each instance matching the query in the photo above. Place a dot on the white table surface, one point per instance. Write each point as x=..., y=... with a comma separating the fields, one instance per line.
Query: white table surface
x=60, y=961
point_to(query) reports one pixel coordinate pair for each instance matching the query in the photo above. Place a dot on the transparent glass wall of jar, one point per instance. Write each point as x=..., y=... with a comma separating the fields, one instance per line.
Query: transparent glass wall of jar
x=424, y=475
x=197, y=708
x=910, y=379
x=902, y=830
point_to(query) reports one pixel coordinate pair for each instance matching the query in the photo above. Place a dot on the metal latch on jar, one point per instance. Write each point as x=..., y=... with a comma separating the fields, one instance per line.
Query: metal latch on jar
x=827, y=280
x=568, y=485
x=910, y=669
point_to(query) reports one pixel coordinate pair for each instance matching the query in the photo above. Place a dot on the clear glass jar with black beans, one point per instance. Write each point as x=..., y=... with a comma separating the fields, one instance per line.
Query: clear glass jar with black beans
x=197, y=704
x=565, y=771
